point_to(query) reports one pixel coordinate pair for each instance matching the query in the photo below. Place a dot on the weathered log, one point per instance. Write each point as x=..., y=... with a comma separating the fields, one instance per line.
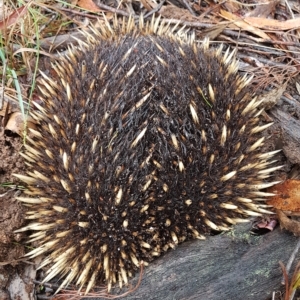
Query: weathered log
x=235, y=265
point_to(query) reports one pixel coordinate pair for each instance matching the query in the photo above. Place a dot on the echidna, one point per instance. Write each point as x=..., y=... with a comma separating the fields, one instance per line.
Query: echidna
x=145, y=139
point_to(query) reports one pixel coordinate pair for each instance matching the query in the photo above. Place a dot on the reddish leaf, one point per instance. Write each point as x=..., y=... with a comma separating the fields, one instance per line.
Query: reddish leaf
x=13, y=17
x=89, y=5
x=287, y=196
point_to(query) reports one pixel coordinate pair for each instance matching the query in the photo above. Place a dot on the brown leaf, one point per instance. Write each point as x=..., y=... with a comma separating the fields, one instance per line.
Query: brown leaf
x=147, y=4
x=271, y=24
x=13, y=17
x=288, y=224
x=16, y=123
x=5, y=109
x=89, y=5
x=173, y=12
x=263, y=9
x=287, y=196
x=240, y=23
x=214, y=31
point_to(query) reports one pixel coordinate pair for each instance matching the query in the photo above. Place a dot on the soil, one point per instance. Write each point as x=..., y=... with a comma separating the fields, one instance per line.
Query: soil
x=12, y=211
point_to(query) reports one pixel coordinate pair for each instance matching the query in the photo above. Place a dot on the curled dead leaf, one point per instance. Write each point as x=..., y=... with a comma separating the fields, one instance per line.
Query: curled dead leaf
x=16, y=123
x=287, y=197
x=288, y=224
x=287, y=203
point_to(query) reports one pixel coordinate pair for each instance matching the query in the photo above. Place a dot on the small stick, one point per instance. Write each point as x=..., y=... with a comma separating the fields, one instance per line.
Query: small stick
x=188, y=7
x=153, y=11
x=290, y=261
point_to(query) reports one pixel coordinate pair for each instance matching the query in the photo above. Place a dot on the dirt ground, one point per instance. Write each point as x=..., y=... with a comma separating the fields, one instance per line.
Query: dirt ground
x=12, y=212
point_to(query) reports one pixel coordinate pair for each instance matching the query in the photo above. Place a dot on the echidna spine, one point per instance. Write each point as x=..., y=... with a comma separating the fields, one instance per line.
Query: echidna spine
x=144, y=140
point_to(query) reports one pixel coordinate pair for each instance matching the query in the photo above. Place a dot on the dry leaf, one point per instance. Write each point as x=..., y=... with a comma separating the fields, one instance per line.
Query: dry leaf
x=239, y=22
x=5, y=109
x=288, y=224
x=298, y=87
x=231, y=6
x=173, y=12
x=148, y=4
x=287, y=196
x=16, y=123
x=287, y=202
x=263, y=9
x=271, y=24
x=89, y=5
x=13, y=17
x=214, y=31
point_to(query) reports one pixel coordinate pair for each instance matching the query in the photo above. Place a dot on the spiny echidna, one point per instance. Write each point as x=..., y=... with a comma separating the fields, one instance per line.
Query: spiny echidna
x=146, y=139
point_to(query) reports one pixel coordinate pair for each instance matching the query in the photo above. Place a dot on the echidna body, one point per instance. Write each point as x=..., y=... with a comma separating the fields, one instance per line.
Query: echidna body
x=145, y=140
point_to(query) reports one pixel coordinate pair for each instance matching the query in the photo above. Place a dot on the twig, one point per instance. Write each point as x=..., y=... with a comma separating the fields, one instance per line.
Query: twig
x=153, y=11
x=79, y=13
x=269, y=62
x=3, y=83
x=4, y=263
x=114, y=10
x=188, y=7
x=290, y=261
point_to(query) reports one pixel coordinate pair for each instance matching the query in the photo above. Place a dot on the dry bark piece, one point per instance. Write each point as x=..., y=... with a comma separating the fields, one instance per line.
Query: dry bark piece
x=272, y=97
x=290, y=134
